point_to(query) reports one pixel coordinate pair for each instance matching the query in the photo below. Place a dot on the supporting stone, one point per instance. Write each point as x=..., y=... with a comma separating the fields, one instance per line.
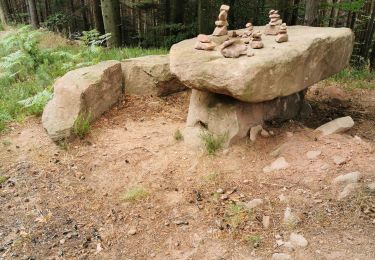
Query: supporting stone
x=224, y=115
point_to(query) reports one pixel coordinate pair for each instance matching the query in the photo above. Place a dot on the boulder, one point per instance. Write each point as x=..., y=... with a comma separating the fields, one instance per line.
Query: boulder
x=336, y=126
x=91, y=90
x=352, y=177
x=150, y=76
x=223, y=115
x=311, y=55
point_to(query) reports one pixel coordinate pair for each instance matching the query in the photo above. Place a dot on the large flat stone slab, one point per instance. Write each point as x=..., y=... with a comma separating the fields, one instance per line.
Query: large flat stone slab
x=90, y=90
x=311, y=55
x=150, y=76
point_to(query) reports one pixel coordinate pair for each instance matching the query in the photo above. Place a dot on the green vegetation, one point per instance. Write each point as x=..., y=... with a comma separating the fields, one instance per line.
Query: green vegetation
x=31, y=60
x=178, y=135
x=81, y=125
x=3, y=179
x=135, y=194
x=355, y=78
x=236, y=214
x=213, y=142
x=253, y=240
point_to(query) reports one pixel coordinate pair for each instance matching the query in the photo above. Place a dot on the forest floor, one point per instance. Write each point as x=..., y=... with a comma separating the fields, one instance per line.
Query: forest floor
x=129, y=190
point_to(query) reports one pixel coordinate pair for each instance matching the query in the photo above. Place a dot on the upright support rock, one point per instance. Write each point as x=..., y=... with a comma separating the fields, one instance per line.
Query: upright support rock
x=224, y=115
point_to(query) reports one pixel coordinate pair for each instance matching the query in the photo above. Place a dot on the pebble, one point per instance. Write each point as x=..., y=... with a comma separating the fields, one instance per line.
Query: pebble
x=224, y=197
x=264, y=133
x=298, y=240
x=290, y=218
x=283, y=198
x=132, y=232
x=352, y=177
x=339, y=160
x=220, y=191
x=253, y=203
x=312, y=155
x=281, y=256
x=181, y=222
x=279, y=164
x=371, y=186
x=62, y=241
x=266, y=222
x=348, y=190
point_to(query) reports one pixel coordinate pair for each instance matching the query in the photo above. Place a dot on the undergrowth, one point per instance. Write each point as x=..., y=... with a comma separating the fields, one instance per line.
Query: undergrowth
x=27, y=70
x=81, y=125
x=135, y=194
x=212, y=142
x=353, y=78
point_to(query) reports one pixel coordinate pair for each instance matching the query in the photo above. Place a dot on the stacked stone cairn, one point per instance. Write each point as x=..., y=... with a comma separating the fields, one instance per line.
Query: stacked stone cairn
x=233, y=48
x=274, y=25
x=248, y=32
x=222, y=22
x=282, y=36
x=256, y=41
x=204, y=43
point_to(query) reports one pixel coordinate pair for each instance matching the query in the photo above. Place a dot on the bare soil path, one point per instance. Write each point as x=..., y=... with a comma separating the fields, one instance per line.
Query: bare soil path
x=67, y=201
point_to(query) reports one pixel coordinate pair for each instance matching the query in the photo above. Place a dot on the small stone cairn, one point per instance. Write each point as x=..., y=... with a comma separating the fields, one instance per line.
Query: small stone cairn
x=222, y=22
x=282, y=36
x=204, y=43
x=274, y=25
x=256, y=41
x=247, y=33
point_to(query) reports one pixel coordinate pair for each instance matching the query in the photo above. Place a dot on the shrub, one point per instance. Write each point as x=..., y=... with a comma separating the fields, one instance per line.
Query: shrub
x=178, y=135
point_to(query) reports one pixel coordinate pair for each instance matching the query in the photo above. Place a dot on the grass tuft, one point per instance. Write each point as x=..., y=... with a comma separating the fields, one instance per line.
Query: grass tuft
x=253, y=240
x=135, y=194
x=81, y=125
x=3, y=179
x=212, y=142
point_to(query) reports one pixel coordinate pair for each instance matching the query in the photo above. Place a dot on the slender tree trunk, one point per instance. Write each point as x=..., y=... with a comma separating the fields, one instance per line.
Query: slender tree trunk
x=294, y=19
x=33, y=14
x=112, y=22
x=98, y=16
x=311, y=12
x=84, y=15
x=4, y=12
x=178, y=11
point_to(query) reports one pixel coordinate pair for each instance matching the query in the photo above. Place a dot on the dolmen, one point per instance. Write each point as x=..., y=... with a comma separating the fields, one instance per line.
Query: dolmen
x=233, y=92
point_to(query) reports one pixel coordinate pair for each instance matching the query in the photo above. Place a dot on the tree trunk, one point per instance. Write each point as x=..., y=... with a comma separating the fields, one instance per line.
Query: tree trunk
x=294, y=19
x=203, y=19
x=112, y=22
x=4, y=12
x=311, y=12
x=178, y=11
x=98, y=17
x=33, y=14
x=84, y=15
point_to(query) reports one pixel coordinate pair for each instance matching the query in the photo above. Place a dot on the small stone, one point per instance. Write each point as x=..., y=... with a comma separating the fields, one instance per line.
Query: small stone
x=283, y=198
x=290, y=218
x=264, y=133
x=312, y=155
x=348, y=190
x=371, y=186
x=281, y=256
x=253, y=203
x=279, y=242
x=220, y=191
x=181, y=222
x=132, y=232
x=203, y=38
x=298, y=240
x=339, y=160
x=279, y=164
x=352, y=177
x=254, y=131
x=224, y=197
x=62, y=241
x=336, y=126
x=266, y=222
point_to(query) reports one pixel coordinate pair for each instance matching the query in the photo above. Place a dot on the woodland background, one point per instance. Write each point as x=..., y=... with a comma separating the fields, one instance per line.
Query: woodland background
x=161, y=23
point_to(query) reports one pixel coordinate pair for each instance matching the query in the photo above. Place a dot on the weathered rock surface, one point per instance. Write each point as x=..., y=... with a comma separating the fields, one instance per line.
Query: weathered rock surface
x=281, y=256
x=279, y=164
x=338, y=125
x=91, y=90
x=150, y=75
x=298, y=240
x=223, y=115
x=352, y=177
x=312, y=54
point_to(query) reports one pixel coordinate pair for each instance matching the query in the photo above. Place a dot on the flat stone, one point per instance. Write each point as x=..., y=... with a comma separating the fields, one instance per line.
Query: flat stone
x=339, y=160
x=371, y=186
x=234, y=50
x=223, y=115
x=352, y=177
x=205, y=46
x=290, y=218
x=298, y=240
x=336, y=126
x=150, y=76
x=266, y=222
x=203, y=38
x=253, y=203
x=281, y=256
x=279, y=164
x=312, y=155
x=311, y=55
x=348, y=190
x=89, y=91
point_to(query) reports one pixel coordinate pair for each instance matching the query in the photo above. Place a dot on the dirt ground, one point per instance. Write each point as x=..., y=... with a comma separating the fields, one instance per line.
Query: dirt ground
x=67, y=201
